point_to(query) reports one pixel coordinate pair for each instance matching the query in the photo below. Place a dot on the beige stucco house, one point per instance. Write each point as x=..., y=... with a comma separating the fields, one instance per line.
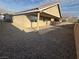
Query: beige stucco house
x=16, y=29
x=37, y=17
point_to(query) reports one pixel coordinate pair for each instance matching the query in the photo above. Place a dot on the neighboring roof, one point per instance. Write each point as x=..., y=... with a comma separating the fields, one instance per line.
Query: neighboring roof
x=45, y=6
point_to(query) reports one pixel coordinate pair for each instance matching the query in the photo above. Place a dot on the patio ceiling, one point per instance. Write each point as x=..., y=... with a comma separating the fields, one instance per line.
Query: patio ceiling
x=42, y=14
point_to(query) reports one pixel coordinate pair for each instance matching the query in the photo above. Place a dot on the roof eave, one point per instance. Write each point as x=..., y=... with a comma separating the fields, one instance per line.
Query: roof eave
x=27, y=12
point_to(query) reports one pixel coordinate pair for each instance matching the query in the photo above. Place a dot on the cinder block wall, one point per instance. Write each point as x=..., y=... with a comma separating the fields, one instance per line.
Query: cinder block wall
x=76, y=33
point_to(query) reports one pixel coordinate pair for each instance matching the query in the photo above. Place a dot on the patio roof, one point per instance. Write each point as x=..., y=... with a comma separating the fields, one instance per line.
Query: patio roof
x=38, y=8
x=42, y=14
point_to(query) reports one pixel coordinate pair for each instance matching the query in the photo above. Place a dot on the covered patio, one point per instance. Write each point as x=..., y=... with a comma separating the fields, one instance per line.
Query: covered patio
x=39, y=15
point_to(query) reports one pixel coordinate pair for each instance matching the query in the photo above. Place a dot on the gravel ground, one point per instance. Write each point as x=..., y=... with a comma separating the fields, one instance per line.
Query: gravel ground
x=53, y=43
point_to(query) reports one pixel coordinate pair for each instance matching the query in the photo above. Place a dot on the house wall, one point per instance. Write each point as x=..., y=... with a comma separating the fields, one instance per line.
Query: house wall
x=76, y=33
x=23, y=22
x=34, y=24
x=53, y=11
x=41, y=23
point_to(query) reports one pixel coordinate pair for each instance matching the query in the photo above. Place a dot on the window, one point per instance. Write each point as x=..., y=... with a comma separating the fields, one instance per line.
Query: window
x=7, y=18
x=33, y=18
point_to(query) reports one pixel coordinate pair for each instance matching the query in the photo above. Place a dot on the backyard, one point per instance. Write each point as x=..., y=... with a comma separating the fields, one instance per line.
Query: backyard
x=56, y=42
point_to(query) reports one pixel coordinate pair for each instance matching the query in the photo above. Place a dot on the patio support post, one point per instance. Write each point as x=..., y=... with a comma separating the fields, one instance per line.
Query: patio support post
x=38, y=18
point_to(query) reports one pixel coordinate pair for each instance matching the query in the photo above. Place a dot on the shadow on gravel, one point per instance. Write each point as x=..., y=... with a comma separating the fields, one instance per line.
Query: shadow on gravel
x=57, y=43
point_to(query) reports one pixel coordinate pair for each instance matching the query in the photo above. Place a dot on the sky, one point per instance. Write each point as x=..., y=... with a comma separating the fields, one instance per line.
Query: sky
x=68, y=7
